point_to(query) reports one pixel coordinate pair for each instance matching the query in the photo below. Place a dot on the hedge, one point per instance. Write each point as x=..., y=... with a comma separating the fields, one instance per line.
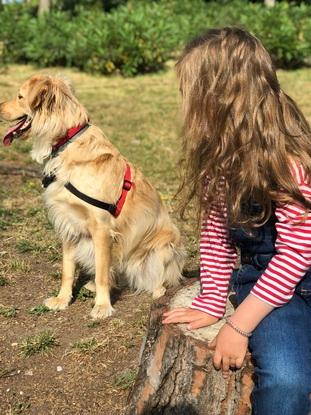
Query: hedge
x=141, y=36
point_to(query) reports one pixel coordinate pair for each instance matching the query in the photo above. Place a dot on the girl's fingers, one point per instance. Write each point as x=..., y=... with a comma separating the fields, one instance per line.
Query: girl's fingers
x=239, y=363
x=217, y=360
x=232, y=362
x=176, y=316
x=185, y=315
x=225, y=366
x=178, y=313
x=197, y=324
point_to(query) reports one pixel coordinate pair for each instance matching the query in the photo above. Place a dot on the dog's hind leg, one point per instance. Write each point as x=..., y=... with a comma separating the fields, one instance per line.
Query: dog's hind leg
x=161, y=268
x=171, y=271
x=103, y=246
x=64, y=296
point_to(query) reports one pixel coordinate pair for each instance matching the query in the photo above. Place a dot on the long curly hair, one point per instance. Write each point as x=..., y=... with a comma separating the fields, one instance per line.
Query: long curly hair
x=241, y=131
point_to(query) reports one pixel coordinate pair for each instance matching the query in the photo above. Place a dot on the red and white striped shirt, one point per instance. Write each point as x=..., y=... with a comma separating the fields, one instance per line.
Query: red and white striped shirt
x=287, y=267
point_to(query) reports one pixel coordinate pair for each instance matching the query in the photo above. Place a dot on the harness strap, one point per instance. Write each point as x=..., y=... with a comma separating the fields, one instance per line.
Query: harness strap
x=127, y=185
x=98, y=203
x=47, y=180
x=113, y=209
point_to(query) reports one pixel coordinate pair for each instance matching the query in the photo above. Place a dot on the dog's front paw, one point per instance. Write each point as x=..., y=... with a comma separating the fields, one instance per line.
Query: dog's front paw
x=56, y=303
x=101, y=311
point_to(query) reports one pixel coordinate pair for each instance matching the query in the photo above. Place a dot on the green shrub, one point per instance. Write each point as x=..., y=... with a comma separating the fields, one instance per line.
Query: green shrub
x=15, y=21
x=140, y=39
x=282, y=29
x=48, y=35
x=141, y=36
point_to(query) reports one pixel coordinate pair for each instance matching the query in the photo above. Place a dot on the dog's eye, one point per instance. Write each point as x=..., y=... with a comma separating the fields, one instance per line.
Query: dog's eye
x=20, y=96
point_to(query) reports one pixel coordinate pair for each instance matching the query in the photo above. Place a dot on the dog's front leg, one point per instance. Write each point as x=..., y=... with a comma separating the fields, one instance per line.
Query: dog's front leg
x=102, y=246
x=64, y=296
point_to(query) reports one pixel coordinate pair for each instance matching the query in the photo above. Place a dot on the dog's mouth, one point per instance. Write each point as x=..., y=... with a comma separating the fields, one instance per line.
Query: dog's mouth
x=17, y=130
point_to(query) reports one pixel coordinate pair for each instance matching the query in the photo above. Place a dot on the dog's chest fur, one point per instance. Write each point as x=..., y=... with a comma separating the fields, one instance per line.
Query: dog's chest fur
x=70, y=220
x=69, y=217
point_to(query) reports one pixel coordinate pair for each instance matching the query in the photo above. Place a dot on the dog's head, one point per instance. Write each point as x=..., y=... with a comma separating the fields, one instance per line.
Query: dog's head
x=43, y=106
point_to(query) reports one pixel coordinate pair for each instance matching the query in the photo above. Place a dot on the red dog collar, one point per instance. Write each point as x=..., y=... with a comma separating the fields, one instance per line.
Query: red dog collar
x=72, y=132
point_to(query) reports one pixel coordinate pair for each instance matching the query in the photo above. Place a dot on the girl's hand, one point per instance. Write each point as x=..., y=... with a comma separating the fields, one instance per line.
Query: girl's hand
x=195, y=318
x=230, y=349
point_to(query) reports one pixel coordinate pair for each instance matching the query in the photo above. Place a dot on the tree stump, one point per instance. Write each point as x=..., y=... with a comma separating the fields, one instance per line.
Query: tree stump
x=176, y=375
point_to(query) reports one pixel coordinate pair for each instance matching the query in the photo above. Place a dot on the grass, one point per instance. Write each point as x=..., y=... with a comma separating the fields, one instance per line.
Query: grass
x=23, y=246
x=125, y=380
x=140, y=323
x=40, y=343
x=116, y=323
x=39, y=310
x=20, y=266
x=53, y=293
x=8, y=217
x=85, y=346
x=84, y=294
x=8, y=311
x=93, y=324
x=4, y=281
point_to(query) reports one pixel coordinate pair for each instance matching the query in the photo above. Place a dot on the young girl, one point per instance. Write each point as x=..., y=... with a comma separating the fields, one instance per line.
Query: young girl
x=248, y=162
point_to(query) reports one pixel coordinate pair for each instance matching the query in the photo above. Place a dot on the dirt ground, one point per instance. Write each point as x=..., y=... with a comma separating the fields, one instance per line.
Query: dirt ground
x=68, y=378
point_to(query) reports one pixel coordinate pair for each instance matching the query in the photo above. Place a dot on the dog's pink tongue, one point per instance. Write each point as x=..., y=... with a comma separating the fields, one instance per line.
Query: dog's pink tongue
x=8, y=138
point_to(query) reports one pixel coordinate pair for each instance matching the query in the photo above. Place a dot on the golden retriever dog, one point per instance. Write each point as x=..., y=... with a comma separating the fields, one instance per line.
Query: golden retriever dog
x=127, y=232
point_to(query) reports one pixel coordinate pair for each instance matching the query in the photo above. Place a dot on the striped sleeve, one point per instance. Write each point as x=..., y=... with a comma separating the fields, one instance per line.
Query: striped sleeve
x=292, y=260
x=217, y=259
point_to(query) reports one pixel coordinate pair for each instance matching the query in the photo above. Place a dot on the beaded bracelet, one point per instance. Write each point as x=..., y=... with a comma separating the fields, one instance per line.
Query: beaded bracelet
x=237, y=329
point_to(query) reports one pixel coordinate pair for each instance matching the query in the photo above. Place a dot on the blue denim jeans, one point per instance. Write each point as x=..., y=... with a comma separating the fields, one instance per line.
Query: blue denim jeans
x=281, y=350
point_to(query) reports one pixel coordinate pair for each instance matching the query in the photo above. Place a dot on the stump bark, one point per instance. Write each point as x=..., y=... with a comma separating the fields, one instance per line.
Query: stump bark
x=176, y=375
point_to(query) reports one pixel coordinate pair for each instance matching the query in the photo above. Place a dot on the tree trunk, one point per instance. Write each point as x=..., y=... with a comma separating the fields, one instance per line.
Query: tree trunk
x=44, y=7
x=269, y=3
x=176, y=375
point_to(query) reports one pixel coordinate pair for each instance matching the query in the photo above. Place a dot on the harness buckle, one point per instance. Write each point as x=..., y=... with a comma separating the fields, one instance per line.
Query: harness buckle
x=127, y=185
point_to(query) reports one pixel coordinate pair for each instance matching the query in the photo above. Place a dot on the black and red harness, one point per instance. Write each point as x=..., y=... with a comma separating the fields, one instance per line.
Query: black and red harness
x=113, y=209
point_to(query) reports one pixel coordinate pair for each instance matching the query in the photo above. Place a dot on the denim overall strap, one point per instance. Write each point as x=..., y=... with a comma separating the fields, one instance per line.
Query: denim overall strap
x=281, y=343
x=257, y=247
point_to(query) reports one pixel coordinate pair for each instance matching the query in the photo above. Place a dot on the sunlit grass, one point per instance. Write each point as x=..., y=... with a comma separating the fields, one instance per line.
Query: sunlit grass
x=40, y=343
x=7, y=311
x=39, y=310
x=125, y=380
x=85, y=346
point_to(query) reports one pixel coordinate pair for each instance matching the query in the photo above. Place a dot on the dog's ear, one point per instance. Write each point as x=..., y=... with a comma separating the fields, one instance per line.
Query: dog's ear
x=41, y=94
